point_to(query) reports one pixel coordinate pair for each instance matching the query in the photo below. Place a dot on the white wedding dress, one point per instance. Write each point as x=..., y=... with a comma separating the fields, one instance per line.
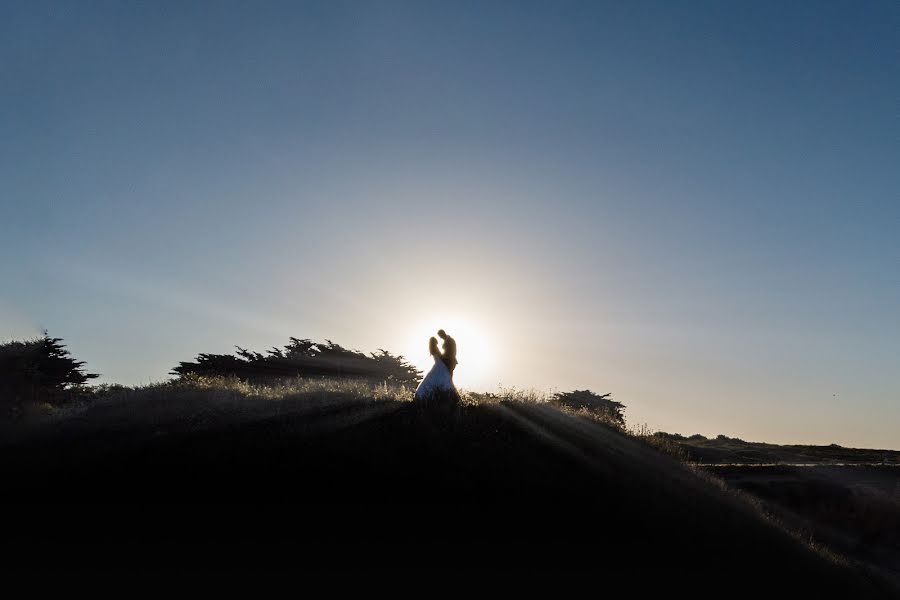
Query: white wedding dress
x=438, y=381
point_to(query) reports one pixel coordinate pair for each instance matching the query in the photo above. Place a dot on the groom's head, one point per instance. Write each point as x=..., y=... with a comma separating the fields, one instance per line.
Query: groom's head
x=442, y=334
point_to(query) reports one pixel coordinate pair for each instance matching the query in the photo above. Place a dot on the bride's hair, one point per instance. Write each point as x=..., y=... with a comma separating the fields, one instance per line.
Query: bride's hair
x=433, y=346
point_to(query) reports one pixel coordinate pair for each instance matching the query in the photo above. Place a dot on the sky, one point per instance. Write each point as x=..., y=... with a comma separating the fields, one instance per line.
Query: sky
x=692, y=205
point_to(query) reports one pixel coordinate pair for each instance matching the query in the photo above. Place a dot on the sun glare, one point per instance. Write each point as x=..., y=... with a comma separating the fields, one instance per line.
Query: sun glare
x=475, y=351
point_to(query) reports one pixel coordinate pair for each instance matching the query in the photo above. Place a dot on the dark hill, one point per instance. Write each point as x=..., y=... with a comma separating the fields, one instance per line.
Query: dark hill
x=319, y=479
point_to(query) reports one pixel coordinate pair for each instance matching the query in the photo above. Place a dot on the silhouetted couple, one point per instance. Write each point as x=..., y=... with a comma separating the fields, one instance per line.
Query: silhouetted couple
x=439, y=380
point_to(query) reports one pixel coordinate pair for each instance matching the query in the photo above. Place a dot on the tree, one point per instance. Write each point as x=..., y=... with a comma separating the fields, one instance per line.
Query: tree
x=304, y=358
x=40, y=370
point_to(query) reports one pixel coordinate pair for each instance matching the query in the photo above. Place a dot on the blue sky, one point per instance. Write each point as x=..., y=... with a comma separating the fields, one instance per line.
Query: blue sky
x=692, y=205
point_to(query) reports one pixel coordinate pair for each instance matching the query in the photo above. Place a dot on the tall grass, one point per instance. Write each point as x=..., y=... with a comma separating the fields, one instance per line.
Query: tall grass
x=197, y=402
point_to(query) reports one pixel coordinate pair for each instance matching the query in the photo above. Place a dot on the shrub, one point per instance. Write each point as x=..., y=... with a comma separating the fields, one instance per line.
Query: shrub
x=725, y=438
x=586, y=400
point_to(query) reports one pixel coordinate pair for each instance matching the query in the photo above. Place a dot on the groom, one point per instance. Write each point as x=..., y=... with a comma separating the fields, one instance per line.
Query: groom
x=448, y=351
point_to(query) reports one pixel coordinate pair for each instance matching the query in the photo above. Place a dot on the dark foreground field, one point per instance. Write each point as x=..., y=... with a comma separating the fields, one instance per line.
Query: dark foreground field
x=192, y=477
x=853, y=509
x=845, y=498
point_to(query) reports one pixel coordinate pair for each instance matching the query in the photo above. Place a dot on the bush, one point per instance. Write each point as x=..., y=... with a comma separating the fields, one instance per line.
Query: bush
x=597, y=405
x=39, y=370
x=303, y=358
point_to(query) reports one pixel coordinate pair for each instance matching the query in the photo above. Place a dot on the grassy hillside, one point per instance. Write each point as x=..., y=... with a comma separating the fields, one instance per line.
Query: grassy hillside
x=725, y=450
x=318, y=474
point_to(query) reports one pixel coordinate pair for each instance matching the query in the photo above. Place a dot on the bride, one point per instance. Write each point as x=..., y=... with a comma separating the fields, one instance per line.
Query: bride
x=439, y=380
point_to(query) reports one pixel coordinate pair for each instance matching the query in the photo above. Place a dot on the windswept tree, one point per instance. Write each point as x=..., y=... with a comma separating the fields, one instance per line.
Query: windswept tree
x=304, y=358
x=39, y=370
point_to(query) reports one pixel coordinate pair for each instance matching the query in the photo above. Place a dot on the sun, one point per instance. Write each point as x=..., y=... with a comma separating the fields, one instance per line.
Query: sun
x=475, y=351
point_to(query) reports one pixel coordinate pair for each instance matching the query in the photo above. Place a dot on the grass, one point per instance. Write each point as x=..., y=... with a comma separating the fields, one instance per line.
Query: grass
x=344, y=471
x=725, y=450
x=199, y=400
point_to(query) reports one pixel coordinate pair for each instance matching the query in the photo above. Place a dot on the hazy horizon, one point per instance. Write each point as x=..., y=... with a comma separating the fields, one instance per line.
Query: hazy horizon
x=692, y=206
